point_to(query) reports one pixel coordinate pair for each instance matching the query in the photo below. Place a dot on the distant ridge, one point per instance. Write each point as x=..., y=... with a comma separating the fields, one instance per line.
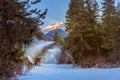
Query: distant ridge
x=50, y=35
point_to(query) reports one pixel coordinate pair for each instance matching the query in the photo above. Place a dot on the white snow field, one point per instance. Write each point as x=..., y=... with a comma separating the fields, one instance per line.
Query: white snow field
x=53, y=71
x=68, y=72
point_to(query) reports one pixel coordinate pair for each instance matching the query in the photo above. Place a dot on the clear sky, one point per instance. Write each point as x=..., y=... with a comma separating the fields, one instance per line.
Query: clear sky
x=56, y=9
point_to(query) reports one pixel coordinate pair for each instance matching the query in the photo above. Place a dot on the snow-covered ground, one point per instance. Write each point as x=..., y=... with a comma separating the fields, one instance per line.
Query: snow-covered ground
x=67, y=72
x=64, y=71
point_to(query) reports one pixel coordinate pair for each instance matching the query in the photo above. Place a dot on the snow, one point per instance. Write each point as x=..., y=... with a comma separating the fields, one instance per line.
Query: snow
x=52, y=55
x=35, y=48
x=68, y=72
x=63, y=71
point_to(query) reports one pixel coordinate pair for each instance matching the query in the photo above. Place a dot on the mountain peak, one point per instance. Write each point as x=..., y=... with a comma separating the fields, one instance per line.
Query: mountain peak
x=53, y=26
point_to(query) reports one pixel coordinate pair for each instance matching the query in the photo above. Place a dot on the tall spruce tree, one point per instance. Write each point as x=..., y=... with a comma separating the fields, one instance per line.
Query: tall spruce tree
x=118, y=14
x=115, y=55
x=110, y=29
x=17, y=27
x=81, y=25
x=73, y=26
x=58, y=39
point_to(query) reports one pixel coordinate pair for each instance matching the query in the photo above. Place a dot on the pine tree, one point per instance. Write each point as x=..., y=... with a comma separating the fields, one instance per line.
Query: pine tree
x=109, y=26
x=17, y=27
x=58, y=39
x=92, y=29
x=115, y=55
x=73, y=26
x=81, y=25
x=118, y=14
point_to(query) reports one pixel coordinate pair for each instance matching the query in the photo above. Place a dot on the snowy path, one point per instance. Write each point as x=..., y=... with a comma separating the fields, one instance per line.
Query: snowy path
x=67, y=72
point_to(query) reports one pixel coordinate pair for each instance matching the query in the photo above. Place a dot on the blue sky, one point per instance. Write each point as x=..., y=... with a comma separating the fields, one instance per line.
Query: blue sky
x=56, y=9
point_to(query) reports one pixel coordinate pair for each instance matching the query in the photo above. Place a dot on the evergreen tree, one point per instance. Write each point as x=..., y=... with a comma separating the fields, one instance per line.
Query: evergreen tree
x=81, y=25
x=58, y=39
x=118, y=14
x=110, y=28
x=73, y=26
x=115, y=55
x=17, y=27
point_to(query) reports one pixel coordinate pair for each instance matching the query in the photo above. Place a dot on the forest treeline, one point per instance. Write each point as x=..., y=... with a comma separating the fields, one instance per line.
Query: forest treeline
x=94, y=32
